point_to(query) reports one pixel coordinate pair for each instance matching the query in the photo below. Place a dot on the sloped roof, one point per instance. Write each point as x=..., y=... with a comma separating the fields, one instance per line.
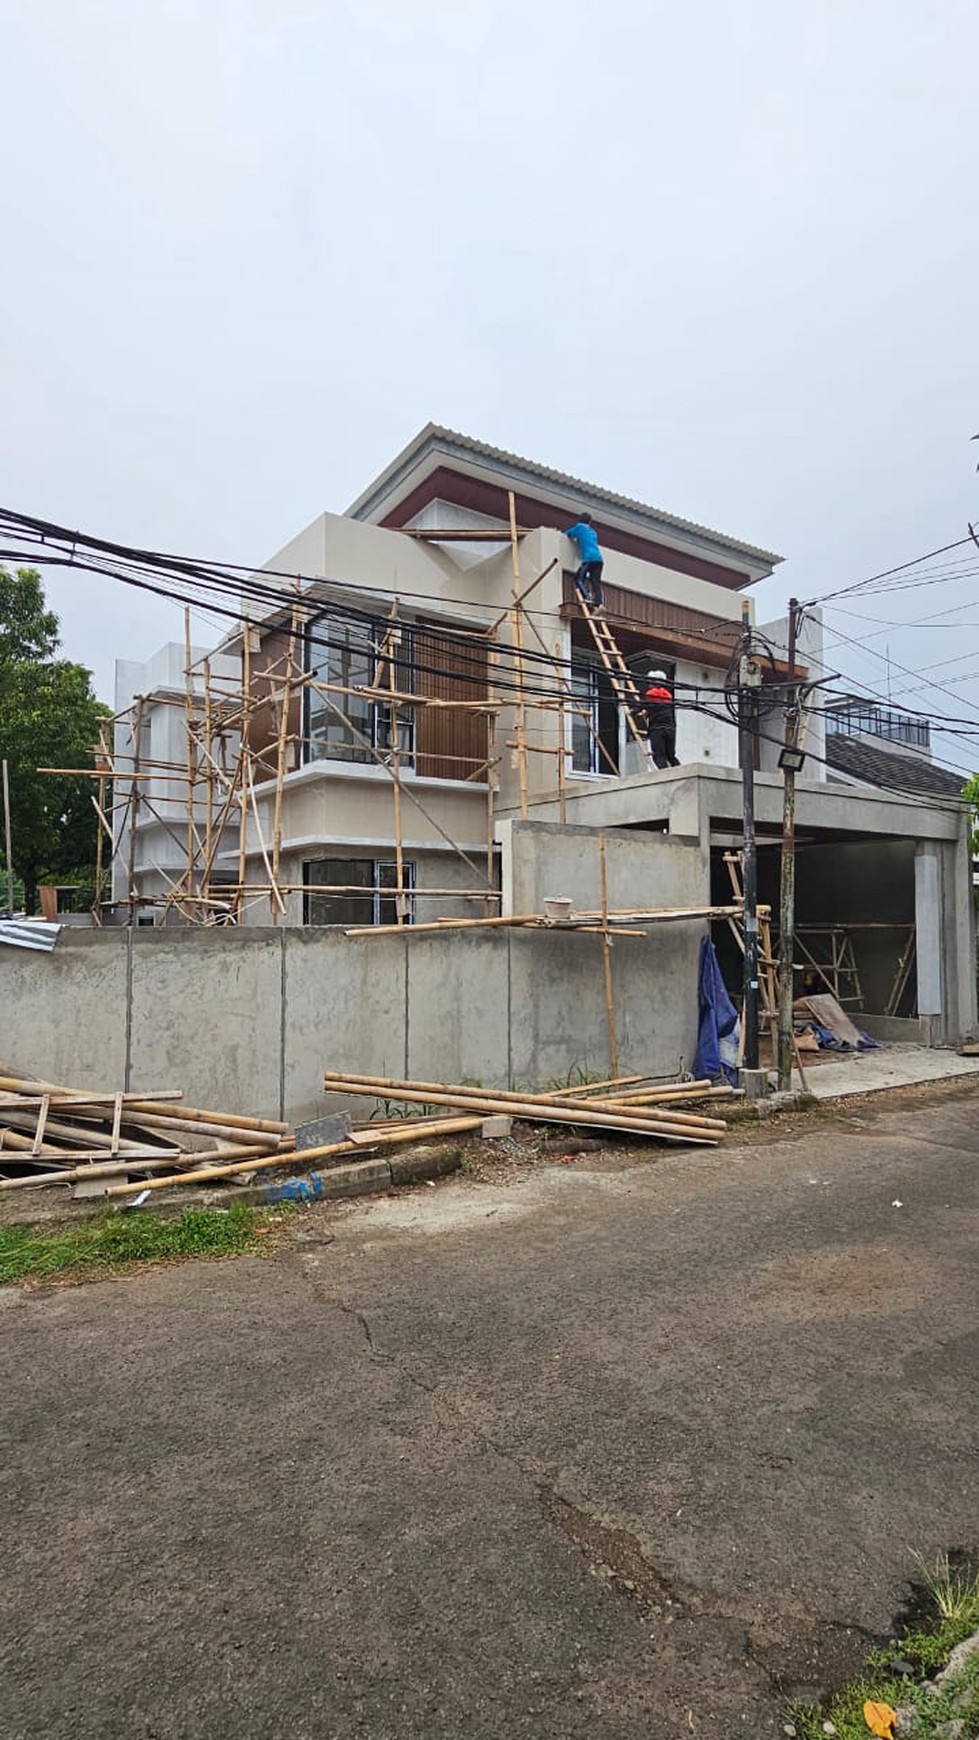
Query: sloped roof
x=861, y=760
x=434, y=438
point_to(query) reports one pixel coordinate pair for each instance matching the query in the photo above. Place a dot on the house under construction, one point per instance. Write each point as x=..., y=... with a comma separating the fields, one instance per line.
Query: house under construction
x=407, y=680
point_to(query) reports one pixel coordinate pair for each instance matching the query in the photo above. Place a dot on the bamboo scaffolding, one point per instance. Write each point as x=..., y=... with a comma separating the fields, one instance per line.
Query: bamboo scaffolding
x=228, y=763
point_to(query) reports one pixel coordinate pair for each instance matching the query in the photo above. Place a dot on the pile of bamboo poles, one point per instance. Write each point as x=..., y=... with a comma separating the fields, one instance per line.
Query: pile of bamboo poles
x=650, y=1111
x=50, y=1134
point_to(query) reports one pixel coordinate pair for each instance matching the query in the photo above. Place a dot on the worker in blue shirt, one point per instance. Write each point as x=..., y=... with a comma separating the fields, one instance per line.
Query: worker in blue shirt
x=589, y=576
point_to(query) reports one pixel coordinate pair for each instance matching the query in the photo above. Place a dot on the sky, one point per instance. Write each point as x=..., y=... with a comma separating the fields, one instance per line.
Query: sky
x=721, y=258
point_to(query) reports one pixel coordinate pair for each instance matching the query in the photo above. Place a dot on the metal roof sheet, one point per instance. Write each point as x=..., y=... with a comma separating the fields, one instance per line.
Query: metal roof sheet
x=436, y=436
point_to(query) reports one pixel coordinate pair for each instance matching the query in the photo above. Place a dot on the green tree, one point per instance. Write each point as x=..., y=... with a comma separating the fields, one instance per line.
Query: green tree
x=49, y=717
x=970, y=791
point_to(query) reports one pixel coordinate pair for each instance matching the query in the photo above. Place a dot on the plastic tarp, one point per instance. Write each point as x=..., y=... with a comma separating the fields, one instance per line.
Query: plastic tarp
x=718, y=1028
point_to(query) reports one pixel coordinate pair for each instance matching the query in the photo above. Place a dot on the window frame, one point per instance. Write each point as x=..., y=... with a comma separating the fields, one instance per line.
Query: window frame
x=597, y=764
x=377, y=890
x=319, y=646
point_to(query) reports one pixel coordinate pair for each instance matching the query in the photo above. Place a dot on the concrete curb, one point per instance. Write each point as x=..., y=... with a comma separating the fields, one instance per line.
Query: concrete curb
x=333, y=1184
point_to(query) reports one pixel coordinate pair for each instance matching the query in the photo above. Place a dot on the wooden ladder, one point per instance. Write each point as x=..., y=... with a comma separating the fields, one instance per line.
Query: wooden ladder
x=621, y=678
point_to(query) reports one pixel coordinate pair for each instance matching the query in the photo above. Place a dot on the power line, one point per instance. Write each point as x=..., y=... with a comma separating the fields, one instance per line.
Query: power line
x=888, y=573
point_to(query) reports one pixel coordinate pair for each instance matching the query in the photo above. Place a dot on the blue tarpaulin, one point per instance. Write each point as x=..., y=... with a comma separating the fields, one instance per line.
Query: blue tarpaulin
x=718, y=1032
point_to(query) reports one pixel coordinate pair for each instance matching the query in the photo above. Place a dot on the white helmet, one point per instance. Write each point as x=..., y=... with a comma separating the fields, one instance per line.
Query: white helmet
x=653, y=676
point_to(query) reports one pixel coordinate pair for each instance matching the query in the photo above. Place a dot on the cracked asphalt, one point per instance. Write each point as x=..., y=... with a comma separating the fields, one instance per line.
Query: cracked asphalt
x=623, y=1449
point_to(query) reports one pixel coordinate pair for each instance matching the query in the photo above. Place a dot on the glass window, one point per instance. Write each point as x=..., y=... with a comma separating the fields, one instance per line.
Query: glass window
x=595, y=720
x=365, y=891
x=343, y=723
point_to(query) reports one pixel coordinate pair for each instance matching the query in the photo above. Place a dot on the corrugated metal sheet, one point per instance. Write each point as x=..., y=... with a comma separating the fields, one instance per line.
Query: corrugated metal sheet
x=29, y=933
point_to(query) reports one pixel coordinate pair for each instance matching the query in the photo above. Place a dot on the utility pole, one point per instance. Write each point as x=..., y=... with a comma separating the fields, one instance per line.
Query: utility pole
x=786, y=924
x=749, y=677
x=6, y=832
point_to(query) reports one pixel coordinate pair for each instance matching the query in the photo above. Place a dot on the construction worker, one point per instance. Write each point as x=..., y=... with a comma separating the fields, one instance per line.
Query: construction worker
x=660, y=710
x=589, y=576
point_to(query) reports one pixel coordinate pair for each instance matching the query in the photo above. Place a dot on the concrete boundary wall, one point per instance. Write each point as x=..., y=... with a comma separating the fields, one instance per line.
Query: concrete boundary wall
x=248, y=1019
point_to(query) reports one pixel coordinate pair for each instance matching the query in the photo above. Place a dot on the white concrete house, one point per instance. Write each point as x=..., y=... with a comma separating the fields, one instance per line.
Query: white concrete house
x=674, y=594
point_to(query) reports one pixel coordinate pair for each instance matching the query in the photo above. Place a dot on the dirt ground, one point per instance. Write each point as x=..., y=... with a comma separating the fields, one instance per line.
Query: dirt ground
x=617, y=1446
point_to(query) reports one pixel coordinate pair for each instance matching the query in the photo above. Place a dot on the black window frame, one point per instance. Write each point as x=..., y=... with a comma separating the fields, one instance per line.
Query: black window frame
x=604, y=728
x=379, y=896
x=327, y=635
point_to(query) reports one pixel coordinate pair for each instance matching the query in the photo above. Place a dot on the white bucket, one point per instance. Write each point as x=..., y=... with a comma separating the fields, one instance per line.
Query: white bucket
x=557, y=906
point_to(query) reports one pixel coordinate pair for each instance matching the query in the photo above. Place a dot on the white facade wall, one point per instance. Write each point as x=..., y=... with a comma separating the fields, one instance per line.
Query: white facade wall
x=336, y=808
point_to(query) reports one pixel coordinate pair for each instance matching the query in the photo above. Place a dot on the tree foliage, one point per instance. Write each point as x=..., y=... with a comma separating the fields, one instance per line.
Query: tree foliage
x=49, y=717
x=970, y=792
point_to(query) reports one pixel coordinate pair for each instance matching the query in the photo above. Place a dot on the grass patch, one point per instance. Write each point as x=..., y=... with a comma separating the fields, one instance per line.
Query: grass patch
x=114, y=1241
x=897, y=1675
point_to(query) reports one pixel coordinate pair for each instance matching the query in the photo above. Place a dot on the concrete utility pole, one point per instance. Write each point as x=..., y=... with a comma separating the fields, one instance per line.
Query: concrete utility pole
x=786, y=928
x=749, y=678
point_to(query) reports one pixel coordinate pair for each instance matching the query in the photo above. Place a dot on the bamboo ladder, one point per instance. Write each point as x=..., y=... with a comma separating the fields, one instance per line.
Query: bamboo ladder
x=621, y=678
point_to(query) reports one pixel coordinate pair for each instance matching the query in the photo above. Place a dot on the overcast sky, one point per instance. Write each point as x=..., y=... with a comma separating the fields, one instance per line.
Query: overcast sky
x=722, y=258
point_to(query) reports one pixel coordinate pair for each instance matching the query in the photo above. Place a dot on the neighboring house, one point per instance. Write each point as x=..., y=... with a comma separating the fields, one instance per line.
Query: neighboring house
x=879, y=862
x=869, y=743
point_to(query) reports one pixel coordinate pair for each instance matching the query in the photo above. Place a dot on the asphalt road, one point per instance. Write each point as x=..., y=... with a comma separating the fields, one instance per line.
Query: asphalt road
x=611, y=1453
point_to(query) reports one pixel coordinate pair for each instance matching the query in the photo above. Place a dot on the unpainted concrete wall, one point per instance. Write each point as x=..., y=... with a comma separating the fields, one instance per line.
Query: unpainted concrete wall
x=248, y=1019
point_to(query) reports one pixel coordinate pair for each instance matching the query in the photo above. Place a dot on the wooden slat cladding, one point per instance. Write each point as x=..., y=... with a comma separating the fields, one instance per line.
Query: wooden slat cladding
x=271, y=657
x=638, y=611
x=640, y=623
x=449, y=743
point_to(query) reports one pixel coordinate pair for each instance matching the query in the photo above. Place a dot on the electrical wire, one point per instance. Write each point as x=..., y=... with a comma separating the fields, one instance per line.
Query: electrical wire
x=890, y=573
x=169, y=577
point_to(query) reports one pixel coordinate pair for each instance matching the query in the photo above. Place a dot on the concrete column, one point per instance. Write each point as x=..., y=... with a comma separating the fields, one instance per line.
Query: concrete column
x=928, y=922
x=959, y=932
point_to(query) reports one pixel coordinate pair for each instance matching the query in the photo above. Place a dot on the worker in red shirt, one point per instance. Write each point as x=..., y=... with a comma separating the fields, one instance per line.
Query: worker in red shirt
x=660, y=710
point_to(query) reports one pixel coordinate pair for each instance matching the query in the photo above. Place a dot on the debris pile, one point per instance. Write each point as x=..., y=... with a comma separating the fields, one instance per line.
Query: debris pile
x=50, y=1134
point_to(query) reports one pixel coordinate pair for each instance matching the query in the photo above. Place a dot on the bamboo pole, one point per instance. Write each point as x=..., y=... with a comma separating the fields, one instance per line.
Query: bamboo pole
x=205, y=878
x=382, y=1086
x=386, y=1138
x=394, y=738
x=244, y=753
x=647, y=1096
x=232, y=1120
x=149, y=1102
x=136, y=729
x=613, y=1046
x=523, y=595
x=518, y=664
x=191, y=758
x=492, y=775
x=99, y=851
x=226, y=1132
x=78, y=1134
x=535, y=923
x=533, y=1111
x=126, y=1163
x=280, y=764
x=588, y=1087
x=95, y=1166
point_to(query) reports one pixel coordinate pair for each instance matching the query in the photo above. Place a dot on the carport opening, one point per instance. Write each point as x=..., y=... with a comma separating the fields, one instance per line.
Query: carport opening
x=854, y=917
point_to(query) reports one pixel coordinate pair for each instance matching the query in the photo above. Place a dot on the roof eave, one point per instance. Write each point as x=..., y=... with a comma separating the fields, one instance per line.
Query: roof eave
x=448, y=444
